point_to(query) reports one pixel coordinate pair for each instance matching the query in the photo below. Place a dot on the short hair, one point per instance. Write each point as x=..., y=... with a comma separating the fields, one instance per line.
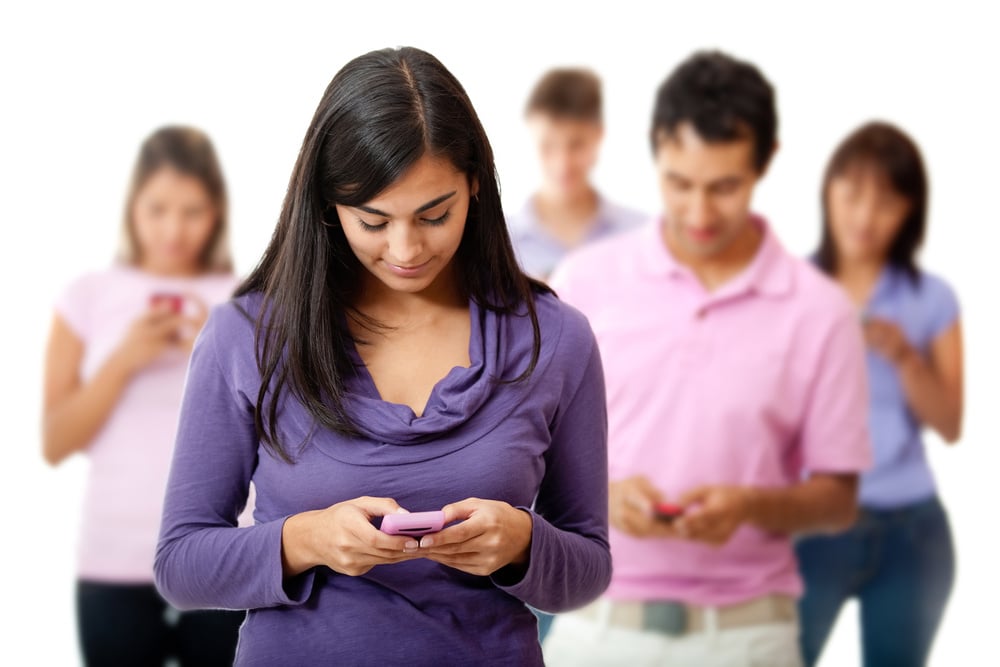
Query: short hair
x=725, y=99
x=567, y=93
x=896, y=157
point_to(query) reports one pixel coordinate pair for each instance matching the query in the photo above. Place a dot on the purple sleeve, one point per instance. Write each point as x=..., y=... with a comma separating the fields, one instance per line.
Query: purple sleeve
x=941, y=306
x=570, y=559
x=203, y=559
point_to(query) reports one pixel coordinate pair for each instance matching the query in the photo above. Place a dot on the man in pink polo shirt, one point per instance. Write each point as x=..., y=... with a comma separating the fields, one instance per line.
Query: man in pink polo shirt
x=736, y=392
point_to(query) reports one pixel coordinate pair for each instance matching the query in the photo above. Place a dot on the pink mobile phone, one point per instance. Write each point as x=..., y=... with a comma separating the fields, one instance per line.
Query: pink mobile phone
x=416, y=523
x=667, y=511
x=175, y=301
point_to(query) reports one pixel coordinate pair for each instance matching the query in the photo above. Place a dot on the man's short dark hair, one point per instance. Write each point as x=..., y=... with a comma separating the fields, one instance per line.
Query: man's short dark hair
x=567, y=93
x=723, y=98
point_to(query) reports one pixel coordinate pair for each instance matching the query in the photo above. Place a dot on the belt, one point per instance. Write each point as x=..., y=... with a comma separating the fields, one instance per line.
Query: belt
x=679, y=618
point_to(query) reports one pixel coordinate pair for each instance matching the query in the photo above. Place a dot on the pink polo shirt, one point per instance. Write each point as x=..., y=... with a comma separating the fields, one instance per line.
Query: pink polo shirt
x=757, y=384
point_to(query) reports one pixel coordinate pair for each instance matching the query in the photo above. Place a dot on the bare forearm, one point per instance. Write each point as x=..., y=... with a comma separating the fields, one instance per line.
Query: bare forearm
x=930, y=400
x=70, y=426
x=825, y=503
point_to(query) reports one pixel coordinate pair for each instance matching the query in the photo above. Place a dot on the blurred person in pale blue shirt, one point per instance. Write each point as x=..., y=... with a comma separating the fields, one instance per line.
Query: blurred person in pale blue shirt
x=564, y=114
x=898, y=560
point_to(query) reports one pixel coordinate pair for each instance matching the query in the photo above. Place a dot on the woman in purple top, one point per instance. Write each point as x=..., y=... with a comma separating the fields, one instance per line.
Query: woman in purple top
x=898, y=560
x=387, y=355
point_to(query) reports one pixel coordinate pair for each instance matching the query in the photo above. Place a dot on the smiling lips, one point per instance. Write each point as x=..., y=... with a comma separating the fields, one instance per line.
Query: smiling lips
x=407, y=271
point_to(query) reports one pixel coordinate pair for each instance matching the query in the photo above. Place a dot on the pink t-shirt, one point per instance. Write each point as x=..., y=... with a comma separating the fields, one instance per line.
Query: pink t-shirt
x=130, y=455
x=756, y=384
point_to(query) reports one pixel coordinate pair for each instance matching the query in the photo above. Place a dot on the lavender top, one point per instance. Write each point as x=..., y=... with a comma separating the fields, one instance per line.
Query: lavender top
x=538, y=444
x=539, y=252
x=923, y=310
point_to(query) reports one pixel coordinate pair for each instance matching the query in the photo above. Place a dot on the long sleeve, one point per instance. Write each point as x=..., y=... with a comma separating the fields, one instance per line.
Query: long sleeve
x=203, y=559
x=570, y=559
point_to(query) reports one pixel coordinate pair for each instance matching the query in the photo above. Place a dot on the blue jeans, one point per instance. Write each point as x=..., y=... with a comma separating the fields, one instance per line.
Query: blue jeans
x=544, y=623
x=899, y=563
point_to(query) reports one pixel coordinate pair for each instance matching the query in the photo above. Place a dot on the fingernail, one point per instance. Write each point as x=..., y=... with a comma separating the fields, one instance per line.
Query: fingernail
x=426, y=542
x=410, y=545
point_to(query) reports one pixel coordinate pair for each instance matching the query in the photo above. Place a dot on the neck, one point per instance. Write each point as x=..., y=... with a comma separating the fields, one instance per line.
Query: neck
x=859, y=269
x=858, y=277
x=579, y=203
x=170, y=270
x=401, y=309
x=717, y=269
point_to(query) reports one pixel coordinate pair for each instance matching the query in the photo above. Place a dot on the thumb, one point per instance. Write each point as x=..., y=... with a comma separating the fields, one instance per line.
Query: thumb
x=378, y=506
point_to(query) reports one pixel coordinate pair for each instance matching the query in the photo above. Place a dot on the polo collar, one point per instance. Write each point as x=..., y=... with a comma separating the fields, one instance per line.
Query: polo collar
x=770, y=272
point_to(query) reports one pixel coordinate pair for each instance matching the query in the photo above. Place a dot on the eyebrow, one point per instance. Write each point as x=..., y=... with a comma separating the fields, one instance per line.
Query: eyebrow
x=429, y=205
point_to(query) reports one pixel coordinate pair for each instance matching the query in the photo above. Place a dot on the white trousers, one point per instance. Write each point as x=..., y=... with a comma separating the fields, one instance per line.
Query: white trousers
x=583, y=642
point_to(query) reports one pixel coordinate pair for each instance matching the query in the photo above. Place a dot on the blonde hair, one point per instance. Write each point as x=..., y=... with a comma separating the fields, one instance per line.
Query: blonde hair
x=189, y=151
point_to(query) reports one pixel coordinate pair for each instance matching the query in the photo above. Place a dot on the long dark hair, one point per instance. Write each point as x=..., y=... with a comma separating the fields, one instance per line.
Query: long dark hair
x=895, y=155
x=381, y=113
x=189, y=151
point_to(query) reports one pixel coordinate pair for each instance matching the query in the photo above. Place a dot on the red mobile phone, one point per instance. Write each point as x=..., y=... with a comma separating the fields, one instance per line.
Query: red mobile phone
x=667, y=511
x=175, y=301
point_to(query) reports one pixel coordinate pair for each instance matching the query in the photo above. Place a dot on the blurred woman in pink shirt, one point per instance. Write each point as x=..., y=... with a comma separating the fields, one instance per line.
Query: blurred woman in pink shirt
x=114, y=374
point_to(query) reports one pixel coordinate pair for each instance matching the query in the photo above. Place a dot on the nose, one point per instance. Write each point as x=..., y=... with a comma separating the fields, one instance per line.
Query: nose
x=700, y=211
x=172, y=227
x=405, y=243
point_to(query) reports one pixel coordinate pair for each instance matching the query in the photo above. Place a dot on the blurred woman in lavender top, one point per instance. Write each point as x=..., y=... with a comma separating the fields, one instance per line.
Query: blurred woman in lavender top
x=564, y=113
x=898, y=559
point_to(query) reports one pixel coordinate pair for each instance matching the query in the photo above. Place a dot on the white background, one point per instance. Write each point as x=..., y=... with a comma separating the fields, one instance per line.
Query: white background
x=81, y=85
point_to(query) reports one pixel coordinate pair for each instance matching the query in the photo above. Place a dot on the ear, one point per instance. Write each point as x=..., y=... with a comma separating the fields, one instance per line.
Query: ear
x=474, y=186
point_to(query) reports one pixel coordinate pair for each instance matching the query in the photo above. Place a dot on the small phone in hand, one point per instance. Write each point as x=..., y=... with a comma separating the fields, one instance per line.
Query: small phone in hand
x=171, y=299
x=414, y=524
x=667, y=512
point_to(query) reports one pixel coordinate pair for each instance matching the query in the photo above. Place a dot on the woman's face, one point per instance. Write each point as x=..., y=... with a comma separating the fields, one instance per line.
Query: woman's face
x=407, y=235
x=173, y=218
x=865, y=214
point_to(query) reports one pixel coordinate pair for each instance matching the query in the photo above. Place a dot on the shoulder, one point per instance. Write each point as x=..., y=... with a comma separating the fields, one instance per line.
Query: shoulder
x=600, y=262
x=567, y=344
x=80, y=296
x=818, y=297
x=559, y=320
x=522, y=221
x=230, y=331
x=97, y=282
x=217, y=287
x=624, y=217
x=935, y=290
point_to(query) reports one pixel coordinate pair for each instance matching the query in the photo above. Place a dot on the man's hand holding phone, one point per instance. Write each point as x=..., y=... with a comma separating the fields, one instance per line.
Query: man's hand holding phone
x=637, y=508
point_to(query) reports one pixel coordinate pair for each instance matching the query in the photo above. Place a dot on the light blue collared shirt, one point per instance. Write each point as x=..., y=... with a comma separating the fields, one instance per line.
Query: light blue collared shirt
x=539, y=252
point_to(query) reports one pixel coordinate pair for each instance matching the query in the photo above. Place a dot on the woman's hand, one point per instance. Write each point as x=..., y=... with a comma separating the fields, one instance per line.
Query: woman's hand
x=343, y=538
x=491, y=535
x=888, y=340
x=149, y=336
